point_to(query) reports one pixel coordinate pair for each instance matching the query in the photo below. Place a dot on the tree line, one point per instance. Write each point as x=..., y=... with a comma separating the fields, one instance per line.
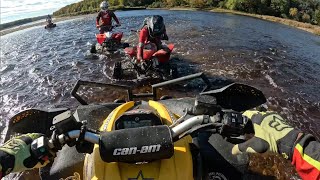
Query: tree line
x=300, y=10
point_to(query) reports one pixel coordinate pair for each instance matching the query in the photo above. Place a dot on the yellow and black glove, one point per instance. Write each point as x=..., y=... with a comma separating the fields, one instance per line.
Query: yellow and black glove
x=271, y=133
x=15, y=155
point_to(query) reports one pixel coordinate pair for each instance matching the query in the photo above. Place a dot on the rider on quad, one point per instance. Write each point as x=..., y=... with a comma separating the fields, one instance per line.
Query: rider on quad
x=152, y=31
x=270, y=133
x=106, y=18
x=49, y=19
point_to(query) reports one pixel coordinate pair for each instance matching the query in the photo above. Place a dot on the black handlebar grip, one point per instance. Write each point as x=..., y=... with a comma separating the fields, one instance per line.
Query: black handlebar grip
x=142, y=144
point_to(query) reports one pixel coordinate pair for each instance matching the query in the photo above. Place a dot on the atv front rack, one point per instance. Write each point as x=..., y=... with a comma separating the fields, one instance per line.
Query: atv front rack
x=129, y=89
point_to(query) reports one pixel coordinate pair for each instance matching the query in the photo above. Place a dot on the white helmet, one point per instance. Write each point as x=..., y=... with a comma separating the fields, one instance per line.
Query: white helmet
x=104, y=5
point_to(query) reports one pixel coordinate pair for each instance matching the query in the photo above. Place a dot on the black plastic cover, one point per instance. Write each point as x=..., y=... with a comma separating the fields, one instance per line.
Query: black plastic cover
x=137, y=144
x=33, y=121
x=238, y=97
x=65, y=122
x=205, y=104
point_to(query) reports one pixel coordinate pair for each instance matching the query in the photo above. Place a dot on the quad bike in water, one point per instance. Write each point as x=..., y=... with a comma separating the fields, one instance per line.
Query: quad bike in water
x=50, y=25
x=153, y=139
x=108, y=41
x=155, y=63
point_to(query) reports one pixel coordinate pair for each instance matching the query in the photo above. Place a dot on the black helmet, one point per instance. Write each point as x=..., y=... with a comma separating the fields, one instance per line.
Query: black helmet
x=155, y=25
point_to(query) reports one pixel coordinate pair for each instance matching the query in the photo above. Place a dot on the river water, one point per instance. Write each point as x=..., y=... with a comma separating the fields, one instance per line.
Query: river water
x=39, y=67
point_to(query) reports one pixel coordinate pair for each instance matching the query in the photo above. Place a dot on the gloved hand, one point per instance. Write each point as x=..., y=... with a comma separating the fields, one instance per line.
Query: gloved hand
x=139, y=58
x=15, y=155
x=271, y=133
x=118, y=25
x=140, y=51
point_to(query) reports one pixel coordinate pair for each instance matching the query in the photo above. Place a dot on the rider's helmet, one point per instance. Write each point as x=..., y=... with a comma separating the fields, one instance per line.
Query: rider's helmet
x=155, y=25
x=49, y=19
x=104, y=5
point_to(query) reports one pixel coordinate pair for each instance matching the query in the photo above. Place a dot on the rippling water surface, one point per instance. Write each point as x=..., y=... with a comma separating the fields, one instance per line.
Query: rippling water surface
x=39, y=67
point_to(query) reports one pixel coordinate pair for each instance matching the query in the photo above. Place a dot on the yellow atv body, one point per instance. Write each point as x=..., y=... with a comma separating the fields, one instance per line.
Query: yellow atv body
x=179, y=166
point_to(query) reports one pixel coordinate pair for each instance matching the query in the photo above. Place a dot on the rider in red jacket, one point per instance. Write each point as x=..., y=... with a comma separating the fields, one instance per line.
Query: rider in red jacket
x=106, y=18
x=153, y=31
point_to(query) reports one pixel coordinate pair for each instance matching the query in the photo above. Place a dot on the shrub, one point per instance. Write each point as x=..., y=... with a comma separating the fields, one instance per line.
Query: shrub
x=305, y=17
x=293, y=12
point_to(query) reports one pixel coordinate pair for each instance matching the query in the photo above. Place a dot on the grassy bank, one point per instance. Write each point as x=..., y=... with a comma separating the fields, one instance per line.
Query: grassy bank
x=315, y=29
x=300, y=25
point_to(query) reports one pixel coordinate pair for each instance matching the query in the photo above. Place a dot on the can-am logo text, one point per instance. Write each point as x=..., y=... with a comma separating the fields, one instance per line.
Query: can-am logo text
x=135, y=150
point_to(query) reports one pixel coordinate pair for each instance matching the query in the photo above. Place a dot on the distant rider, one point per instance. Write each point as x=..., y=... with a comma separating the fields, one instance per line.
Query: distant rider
x=152, y=31
x=49, y=19
x=271, y=133
x=106, y=17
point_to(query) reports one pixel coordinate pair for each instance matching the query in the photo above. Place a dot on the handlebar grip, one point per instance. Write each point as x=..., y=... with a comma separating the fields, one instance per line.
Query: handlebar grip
x=126, y=146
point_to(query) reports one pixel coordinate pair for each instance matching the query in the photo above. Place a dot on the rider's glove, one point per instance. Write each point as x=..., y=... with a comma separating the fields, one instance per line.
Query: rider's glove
x=271, y=133
x=118, y=25
x=15, y=155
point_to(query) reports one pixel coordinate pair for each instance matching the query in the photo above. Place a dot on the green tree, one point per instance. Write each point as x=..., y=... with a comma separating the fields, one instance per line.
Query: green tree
x=231, y=4
x=280, y=7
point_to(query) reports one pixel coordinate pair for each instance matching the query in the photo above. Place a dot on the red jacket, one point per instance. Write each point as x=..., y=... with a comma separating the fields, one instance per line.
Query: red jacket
x=106, y=18
x=144, y=38
x=306, y=158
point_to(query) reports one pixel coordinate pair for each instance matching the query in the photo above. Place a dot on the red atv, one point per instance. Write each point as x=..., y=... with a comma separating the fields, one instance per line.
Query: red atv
x=108, y=41
x=155, y=63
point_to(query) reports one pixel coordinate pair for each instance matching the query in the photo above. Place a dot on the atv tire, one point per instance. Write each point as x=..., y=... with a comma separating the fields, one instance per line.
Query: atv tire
x=117, y=71
x=174, y=71
x=93, y=48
